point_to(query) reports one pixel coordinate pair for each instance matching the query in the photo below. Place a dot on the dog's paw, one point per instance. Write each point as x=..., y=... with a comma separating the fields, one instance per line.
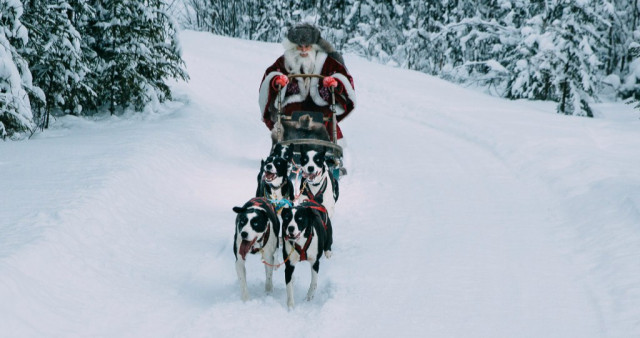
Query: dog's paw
x=328, y=254
x=245, y=297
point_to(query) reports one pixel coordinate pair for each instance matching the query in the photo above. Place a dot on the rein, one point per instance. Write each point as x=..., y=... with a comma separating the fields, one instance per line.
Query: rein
x=276, y=266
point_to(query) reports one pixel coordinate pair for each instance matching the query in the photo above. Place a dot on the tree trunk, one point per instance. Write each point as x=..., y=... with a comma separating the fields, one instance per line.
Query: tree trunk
x=46, y=117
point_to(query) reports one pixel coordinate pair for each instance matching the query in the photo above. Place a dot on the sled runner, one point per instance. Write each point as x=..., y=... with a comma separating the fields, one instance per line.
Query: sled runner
x=309, y=128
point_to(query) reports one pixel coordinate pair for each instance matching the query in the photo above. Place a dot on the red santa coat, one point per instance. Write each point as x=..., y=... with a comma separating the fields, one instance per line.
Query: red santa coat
x=315, y=97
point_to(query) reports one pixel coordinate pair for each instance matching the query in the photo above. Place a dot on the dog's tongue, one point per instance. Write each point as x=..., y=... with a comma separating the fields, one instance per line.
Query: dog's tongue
x=245, y=247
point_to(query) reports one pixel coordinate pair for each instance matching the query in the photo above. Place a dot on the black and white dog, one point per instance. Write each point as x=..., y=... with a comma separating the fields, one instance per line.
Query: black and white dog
x=257, y=230
x=274, y=182
x=318, y=183
x=307, y=233
x=273, y=179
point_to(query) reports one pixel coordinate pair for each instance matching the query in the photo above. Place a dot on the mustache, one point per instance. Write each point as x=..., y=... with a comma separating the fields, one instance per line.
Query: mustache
x=298, y=63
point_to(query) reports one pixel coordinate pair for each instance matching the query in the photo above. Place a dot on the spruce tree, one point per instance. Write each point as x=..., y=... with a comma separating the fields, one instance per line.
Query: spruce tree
x=55, y=57
x=82, y=96
x=16, y=117
x=573, y=62
x=137, y=49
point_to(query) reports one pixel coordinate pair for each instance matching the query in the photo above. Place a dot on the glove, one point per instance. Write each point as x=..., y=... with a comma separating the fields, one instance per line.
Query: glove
x=330, y=81
x=280, y=80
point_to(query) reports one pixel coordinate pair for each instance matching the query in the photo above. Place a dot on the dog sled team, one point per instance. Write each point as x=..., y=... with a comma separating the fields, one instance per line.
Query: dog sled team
x=302, y=97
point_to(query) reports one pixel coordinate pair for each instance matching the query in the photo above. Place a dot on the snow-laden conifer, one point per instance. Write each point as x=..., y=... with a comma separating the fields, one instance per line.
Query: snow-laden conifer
x=16, y=117
x=55, y=57
x=137, y=49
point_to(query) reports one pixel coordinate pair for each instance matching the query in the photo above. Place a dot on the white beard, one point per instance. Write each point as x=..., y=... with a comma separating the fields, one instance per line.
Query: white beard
x=297, y=64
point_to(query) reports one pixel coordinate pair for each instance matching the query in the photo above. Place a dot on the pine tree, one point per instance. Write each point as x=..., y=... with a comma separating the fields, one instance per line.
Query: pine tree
x=82, y=96
x=628, y=51
x=55, y=57
x=536, y=49
x=574, y=63
x=530, y=71
x=137, y=49
x=16, y=117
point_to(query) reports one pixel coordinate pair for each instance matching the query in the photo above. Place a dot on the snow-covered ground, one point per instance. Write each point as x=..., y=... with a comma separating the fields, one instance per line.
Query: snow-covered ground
x=463, y=215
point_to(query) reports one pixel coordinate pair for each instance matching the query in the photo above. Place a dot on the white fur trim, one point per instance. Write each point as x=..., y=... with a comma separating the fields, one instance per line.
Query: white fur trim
x=313, y=87
x=349, y=91
x=321, y=57
x=288, y=45
x=265, y=87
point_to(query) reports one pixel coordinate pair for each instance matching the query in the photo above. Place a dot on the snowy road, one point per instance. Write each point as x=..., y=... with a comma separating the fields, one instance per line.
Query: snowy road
x=456, y=218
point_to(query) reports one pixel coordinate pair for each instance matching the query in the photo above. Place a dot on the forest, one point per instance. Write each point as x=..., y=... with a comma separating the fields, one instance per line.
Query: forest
x=573, y=52
x=83, y=56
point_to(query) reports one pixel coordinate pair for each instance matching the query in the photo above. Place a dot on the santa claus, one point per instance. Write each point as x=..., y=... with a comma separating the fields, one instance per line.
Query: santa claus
x=306, y=52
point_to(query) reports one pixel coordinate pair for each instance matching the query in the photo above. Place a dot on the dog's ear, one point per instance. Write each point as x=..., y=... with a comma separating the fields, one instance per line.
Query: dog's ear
x=322, y=152
x=275, y=149
x=239, y=210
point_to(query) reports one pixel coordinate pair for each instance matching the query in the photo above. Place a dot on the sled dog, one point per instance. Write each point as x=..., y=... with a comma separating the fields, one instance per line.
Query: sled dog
x=307, y=233
x=318, y=183
x=257, y=230
x=273, y=179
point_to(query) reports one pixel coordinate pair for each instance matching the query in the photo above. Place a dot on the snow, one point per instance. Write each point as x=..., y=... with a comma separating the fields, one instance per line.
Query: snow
x=463, y=215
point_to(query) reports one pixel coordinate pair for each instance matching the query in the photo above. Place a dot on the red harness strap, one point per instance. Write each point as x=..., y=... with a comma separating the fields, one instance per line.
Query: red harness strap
x=308, y=193
x=323, y=211
x=302, y=251
x=262, y=202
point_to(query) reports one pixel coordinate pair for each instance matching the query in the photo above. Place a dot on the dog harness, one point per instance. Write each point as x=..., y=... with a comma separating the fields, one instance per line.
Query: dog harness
x=323, y=212
x=302, y=250
x=280, y=204
x=262, y=202
x=307, y=191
